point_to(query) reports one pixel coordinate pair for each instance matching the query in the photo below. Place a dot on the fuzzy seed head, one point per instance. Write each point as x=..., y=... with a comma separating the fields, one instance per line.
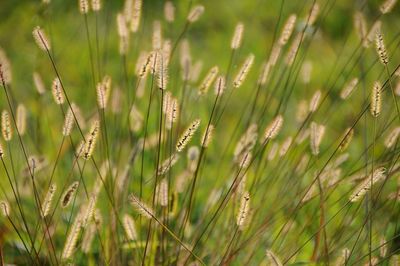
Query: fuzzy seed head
x=162, y=72
x=287, y=29
x=21, y=119
x=363, y=187
x=83, y=6
x=96, y=5
x=381, y=49
x=275, y=53
x=41, y=39
x=313, y=14
x=136, y=14
x=91, y=140
x=376, y=100
x=6, y=128
x=101, y=95
x=5, y=68
x=237, y=36
x=46, y=204
x=72, y=238
x=272, y=130
x=242, y=74
x=195, y=13
x=348, y=89
x=162, y=192
x=1, y=151
x=68, y=194
x=346, y=139
x=39, y=85
x=285, y=146
x=121, y=26
x=391, y=139
x=316, y=134
x=387, y=6
x=89, y=210
x=314, y=102
x=68, y=123
x=360, y=25
x=187, y=135
x=207, y=136
x=294, y=47
x=157, y=35
x=169, y=11
x=129, y=227
x=208, y=80
x=57, y=91
x=141, y=207
x=167, y=164
x=5, y=208
x=243, y=210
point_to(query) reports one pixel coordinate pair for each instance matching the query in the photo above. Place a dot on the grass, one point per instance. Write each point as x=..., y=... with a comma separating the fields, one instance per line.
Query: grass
x=163, y=145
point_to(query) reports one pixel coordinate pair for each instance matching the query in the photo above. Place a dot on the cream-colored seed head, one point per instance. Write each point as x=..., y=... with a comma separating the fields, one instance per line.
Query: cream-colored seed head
x=207, y=136
x=169, y=11
x=387, y=6
x=136, y=15
x=91, y=140
x=157, y=35
x=5, y=68
x=360, y=25
x=365, y=185
x=316, y=134
x=39, y=85
x=313, y=14
x=141, y=207
x=376, y=100
x=187, y=135
x=96, y=5
x=68, y=123
x=195, y=13
x=348, y=89
x=208, y=80
x=57, y=91
x=381, y=49
x=314, y=102
x=21, y=119
x=287, y=29
x=294, y=47
x=6, y=128
x=244, y=209
x=237, y=36
x=41, y=39
x=242, y=74
x=46, y=205
x=220, y=85
x=129, y=227
x=5, y=208
x=83, y=6
x=273, y=128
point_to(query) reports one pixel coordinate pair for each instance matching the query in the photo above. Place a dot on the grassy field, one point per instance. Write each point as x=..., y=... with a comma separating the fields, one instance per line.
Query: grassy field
x=194, y=132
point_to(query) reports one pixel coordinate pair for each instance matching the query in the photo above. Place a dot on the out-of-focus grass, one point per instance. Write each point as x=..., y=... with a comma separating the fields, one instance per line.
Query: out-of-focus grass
x=210, y=39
